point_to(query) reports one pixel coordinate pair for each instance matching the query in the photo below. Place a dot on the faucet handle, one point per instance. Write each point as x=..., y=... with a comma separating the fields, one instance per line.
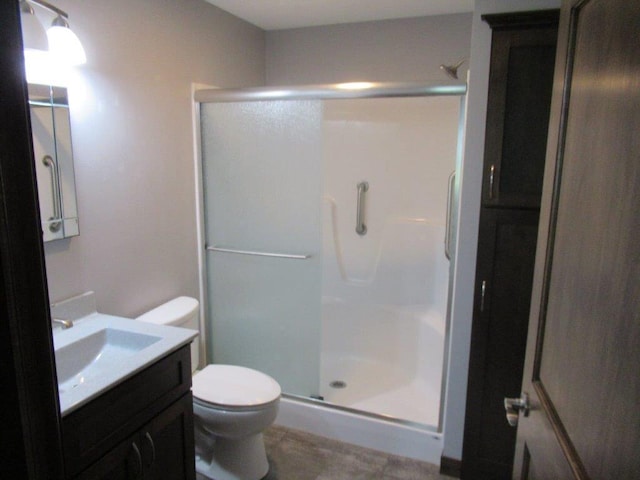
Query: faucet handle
x=64, y=324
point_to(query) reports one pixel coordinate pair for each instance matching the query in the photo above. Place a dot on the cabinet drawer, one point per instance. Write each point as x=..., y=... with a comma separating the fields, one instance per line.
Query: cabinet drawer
x=109, y=419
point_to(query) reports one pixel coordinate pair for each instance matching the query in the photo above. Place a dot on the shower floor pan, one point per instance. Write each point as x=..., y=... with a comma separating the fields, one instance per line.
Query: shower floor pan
x=375, y=387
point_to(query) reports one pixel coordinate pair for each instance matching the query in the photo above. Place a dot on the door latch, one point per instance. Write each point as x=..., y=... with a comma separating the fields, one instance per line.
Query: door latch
x=515, y=405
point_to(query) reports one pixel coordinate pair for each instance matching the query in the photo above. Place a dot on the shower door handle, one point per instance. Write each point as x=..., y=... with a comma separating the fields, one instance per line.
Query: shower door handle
x=447, y=232
x=361, y=228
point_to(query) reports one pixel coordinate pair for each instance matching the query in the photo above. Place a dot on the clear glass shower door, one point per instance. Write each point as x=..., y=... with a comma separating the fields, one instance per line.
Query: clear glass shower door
x=262, y=175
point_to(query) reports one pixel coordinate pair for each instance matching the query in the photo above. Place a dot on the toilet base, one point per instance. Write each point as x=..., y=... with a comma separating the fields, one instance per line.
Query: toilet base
x=234, y=459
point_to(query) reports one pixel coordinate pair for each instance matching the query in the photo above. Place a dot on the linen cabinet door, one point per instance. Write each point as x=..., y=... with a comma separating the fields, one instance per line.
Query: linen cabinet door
x=520, y=81
x=504, y=278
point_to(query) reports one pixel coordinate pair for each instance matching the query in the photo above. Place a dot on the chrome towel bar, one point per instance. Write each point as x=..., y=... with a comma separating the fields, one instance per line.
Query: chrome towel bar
x=259, y=254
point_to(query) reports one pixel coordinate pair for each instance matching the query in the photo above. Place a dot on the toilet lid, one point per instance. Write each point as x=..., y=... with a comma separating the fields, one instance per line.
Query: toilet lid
x=234, y=386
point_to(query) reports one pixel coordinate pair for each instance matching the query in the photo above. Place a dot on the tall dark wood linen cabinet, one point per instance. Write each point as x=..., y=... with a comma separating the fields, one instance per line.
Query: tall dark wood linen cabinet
x=519, y=97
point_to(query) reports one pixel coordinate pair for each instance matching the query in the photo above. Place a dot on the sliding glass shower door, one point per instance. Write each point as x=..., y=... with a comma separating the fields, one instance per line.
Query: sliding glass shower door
x=262, y=178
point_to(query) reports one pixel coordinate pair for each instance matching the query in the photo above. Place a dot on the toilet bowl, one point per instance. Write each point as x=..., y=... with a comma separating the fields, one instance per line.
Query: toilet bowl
x=232, y=406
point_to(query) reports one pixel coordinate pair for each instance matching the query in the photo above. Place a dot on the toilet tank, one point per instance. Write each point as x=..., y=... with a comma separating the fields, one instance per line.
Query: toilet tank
x=179, y=312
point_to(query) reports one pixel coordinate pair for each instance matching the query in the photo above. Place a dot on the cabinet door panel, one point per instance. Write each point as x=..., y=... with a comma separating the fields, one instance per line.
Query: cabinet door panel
x=162, y=450
x=167, y=443
x=124, y=462
x=506, y=252
x=520, y=82
x=106, y=421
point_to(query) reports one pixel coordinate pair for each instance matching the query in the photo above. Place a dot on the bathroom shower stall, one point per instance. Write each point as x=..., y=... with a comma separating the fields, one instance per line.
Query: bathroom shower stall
x=328, y=219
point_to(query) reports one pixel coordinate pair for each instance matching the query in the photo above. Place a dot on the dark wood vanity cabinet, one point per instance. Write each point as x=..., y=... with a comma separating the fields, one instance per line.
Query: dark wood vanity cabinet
x=519, y=97
x=141, y=429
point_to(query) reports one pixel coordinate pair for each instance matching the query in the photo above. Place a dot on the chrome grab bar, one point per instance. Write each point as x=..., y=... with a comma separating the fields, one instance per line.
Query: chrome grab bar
x=447, y=232
x=259, y=254
x=56, y=220
x=361, y=228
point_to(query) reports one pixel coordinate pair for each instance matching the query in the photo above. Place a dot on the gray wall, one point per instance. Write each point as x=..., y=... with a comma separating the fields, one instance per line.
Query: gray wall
x=133, y=141
x=391, y=50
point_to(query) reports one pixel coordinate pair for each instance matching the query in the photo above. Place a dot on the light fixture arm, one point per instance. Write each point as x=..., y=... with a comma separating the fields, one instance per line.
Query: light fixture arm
x=51, y=8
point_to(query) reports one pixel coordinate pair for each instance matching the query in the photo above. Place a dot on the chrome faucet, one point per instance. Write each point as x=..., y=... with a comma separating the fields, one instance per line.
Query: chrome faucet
x=64, y=324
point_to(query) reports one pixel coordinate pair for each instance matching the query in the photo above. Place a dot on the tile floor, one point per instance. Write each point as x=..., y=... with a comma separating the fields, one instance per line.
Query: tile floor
x=296, y=455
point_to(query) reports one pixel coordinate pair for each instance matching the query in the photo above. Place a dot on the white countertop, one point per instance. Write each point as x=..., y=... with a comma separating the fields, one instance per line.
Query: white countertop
x=103, y=370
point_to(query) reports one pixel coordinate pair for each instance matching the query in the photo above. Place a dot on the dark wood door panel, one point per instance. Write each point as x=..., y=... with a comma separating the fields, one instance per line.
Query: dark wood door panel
x=583, y=357
x=520, y=82
x=167, y=443
x=503, y=292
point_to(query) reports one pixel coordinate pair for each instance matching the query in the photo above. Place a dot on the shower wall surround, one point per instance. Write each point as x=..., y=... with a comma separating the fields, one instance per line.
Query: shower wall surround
x=295, y=288
x=385, y=293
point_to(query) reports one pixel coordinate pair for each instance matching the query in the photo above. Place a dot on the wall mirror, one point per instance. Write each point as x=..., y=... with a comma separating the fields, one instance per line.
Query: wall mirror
x=51, y=128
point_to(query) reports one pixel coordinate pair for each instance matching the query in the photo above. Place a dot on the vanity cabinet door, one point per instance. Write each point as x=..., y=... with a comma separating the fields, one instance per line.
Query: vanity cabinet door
x=105, y=422
x=162, y=450
x=124, y=462
x=167, y=443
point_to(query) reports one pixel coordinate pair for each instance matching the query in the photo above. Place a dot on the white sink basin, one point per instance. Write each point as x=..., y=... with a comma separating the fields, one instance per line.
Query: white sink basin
x=89, y=356
x=100, y=351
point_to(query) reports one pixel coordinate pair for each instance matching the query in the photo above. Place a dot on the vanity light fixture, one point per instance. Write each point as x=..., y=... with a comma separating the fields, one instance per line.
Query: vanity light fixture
x=33, y=34
x=64, y=45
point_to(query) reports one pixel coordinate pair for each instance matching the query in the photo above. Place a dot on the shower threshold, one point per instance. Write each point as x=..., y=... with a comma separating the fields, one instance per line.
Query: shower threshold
x=366, y=429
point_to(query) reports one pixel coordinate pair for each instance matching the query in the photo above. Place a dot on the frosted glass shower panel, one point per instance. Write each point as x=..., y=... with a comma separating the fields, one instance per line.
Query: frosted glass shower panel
x=262, y=176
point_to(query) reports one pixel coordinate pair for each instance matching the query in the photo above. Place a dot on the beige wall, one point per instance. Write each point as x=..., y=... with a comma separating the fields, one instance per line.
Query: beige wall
x=385, y=51
x=133, y=143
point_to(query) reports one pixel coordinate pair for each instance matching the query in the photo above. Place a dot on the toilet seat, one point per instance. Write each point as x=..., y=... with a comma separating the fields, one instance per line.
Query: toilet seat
x=234, y=388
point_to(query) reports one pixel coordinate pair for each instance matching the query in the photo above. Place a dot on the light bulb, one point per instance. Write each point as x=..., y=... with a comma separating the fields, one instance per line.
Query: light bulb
x=64, y=45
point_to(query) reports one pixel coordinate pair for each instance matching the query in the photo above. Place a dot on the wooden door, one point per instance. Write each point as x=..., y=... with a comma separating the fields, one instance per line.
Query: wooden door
x=30, y=441
x=583, y=351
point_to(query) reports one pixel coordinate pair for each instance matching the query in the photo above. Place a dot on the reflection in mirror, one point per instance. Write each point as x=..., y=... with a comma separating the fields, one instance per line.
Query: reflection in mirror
x=53, y=154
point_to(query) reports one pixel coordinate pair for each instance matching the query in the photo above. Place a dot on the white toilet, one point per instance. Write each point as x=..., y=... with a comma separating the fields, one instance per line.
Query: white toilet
x=232, y=406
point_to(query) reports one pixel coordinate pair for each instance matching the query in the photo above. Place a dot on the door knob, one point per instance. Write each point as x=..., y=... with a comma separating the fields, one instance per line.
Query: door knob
x=515, y=405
